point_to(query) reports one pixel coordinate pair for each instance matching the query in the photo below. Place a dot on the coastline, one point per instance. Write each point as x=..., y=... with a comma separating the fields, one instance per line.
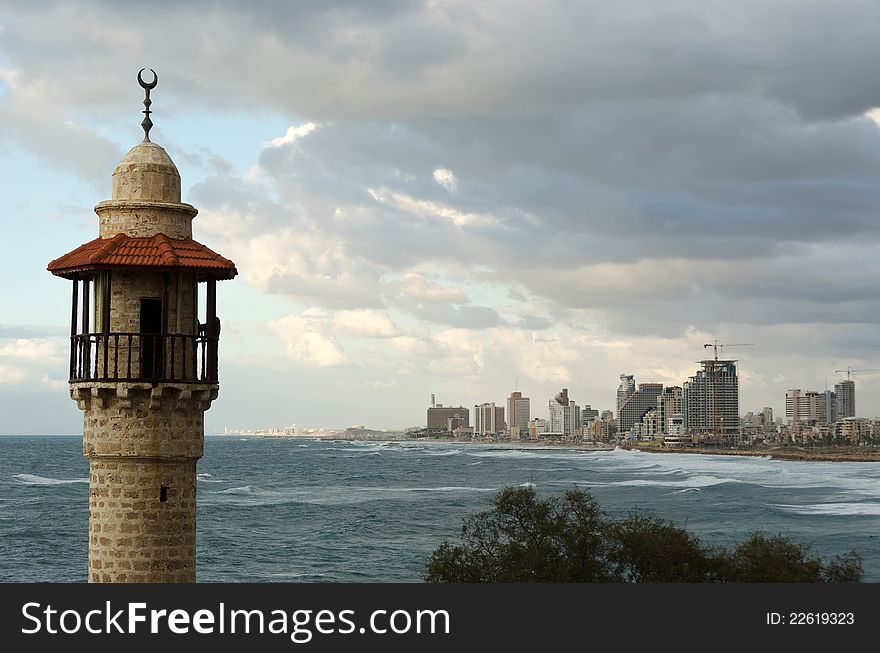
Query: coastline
x=823, y=454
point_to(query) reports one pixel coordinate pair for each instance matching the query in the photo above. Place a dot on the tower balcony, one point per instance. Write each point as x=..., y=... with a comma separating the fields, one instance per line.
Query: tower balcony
x=143, y=357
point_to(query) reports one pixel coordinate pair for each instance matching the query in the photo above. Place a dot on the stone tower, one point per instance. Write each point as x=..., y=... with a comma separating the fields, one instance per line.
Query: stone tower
x=143, y=368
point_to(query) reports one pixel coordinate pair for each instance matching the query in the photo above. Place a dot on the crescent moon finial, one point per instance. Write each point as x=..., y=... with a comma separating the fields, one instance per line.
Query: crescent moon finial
x=147, y=123
x=143, y=84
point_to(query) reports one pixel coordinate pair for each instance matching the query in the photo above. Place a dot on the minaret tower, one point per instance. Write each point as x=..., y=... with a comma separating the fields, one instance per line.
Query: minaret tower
x=143, y=367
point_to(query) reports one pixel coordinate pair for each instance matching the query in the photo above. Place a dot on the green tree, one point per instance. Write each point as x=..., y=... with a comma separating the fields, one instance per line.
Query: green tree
x=569, y=539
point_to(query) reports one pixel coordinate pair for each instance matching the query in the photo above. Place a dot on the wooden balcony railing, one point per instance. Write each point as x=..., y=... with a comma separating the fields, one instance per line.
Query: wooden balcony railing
x=152, y=357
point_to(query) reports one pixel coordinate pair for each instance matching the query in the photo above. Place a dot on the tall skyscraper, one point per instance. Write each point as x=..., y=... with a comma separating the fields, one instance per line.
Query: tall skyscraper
x=518, y=414
x=565, y=415
x=488, y=419
x=669, y=402
x=637, y=404
x=846, y=399
x=711, y=401
x=625, y=389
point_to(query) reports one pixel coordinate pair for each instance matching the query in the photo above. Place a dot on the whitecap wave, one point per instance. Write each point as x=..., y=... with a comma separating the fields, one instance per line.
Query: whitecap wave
x=32, y=479
x=448, y=452
x=244, y=489
x=844, y=509
x=445, y=488
x=693, y=482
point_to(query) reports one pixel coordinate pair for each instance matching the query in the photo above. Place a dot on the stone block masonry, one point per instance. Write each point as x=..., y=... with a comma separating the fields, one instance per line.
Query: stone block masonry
x=142, y=526
x=142, y=443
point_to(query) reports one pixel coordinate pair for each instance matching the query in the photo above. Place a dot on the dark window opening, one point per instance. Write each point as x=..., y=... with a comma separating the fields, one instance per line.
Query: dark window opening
x=163, y=494
x=151, y=341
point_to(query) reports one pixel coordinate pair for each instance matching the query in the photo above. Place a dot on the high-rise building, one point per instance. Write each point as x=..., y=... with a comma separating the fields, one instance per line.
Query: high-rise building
x=565, y=416
x=588, y=416
x=637, y=404
x=447, y=418
x=845, y=392
x=710, y=400
x=809, y=408
x=518, y=414
x=768, y=416
x=669, y=402
x=488, y=419
x=625, y=389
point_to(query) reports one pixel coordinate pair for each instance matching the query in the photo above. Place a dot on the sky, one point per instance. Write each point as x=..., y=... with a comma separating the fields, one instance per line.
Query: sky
x=461, y=198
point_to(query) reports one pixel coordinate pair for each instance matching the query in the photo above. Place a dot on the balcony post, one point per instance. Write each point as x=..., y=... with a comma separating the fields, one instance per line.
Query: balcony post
x=87, y=341
x=211, y=328
x=73, y=340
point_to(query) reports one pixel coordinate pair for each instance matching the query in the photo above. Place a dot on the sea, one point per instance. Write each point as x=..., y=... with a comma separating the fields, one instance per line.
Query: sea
x=300, y=510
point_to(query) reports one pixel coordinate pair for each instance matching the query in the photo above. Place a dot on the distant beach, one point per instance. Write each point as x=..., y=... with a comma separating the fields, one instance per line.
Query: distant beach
x=827, y=454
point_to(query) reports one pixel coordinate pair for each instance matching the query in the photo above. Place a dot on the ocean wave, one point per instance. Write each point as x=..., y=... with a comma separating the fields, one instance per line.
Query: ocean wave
x=445, y=488
x=32, y=479
x=694, y=482
x=544, y=453
x=331, y=496
x=357, y=451
x=244, y=489
x=843, y=509
x=528, y=484
x=448, y=452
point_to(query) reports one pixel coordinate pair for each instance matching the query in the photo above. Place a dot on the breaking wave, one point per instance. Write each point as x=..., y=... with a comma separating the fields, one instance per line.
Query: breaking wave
x=844, y=509
x=32, y=479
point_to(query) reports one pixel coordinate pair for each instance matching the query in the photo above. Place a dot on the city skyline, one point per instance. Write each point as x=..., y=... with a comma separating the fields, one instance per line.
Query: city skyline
x=446, y=197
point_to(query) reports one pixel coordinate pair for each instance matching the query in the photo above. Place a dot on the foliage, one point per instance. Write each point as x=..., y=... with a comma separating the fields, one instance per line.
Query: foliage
x=569, y=539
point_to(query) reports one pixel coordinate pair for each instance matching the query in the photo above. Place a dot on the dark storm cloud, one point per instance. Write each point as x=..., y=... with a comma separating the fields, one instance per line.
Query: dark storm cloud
x=665, y=160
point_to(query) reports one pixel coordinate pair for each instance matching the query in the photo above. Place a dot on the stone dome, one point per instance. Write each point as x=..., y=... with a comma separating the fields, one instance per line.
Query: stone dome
x=146, y=174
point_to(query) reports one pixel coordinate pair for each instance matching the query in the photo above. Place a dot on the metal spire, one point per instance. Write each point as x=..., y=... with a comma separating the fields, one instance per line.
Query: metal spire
x=147, y=123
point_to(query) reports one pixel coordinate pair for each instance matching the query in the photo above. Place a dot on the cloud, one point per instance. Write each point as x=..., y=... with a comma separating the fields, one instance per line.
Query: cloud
x=293, y=134
x=429, y=209
x=305, y=343
x=418, y=288
x=30, y=349
x=446, y=179
x=10, y=375
x=482, y=191
x=363, y=323
x=533, y=322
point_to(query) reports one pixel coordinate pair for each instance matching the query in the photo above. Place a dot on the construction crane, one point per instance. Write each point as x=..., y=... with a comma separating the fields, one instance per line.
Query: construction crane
x=849, y=371
x=718, y=420
x=716, y=346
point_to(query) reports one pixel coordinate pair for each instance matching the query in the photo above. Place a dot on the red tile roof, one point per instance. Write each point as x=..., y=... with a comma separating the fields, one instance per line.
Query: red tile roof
x=157, y=251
